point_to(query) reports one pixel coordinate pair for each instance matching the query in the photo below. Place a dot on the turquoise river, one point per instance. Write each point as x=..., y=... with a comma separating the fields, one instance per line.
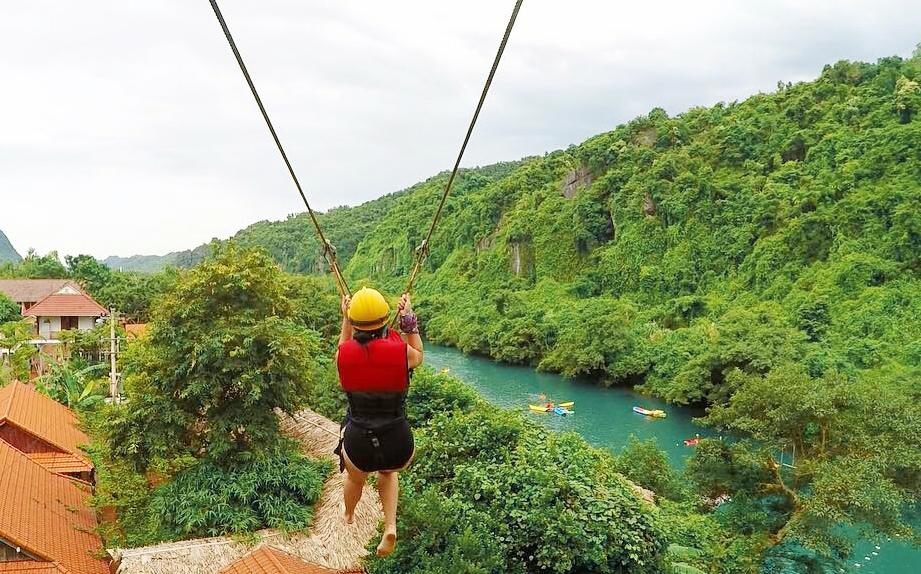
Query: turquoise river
x=604, y=417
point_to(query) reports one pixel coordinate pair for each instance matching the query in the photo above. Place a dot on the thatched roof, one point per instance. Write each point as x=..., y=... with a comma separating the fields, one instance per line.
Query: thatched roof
x=330, y=542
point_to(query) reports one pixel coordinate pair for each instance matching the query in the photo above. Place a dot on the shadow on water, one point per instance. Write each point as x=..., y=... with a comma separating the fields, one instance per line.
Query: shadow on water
x=604, y=417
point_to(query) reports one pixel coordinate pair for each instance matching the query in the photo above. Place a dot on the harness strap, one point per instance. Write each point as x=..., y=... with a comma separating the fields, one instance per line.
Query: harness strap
x=370, y=433
x=338, y=450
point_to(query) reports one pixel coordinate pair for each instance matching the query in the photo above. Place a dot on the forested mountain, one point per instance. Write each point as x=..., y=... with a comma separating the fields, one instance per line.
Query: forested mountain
x=7, y=252
x=785, y=225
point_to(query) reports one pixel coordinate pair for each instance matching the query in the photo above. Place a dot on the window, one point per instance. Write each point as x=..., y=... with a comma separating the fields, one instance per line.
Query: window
x=69, y=323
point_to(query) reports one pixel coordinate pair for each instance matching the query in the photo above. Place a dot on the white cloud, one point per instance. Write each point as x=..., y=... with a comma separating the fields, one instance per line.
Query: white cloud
x=126, y=127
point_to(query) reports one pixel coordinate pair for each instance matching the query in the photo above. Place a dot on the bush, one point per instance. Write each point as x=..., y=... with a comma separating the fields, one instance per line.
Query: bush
x=492, y=492
x=206, y=500
x=643, y=462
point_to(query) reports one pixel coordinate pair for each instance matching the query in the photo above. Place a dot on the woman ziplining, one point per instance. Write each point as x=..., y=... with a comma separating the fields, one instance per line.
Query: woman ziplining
x=375, y=362
x=374, y=365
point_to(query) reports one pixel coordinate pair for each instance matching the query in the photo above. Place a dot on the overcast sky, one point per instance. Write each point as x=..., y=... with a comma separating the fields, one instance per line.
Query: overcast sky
x=126, y=127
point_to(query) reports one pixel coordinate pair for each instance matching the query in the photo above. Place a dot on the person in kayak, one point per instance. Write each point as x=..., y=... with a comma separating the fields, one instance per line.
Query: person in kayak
x=374, y=364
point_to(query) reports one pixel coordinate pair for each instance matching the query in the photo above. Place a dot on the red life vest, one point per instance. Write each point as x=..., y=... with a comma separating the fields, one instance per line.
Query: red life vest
x=380, y=365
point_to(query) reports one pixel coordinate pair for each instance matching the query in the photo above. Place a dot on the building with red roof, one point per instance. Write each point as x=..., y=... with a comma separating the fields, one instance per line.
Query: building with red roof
x=55, y=304
x=44, y=430
x=46, y=525
x=65, y=309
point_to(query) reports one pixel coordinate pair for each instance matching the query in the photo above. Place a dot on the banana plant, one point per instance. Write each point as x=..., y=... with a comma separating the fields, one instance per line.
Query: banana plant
x=72, y=387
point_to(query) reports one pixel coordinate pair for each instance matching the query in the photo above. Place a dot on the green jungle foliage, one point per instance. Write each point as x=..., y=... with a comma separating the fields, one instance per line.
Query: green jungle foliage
x=646, y=464
x=7, y=252
x=196, y=448
x=184, y=498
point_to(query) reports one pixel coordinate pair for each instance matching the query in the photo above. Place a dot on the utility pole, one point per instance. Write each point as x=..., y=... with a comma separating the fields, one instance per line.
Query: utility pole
x=113, y=376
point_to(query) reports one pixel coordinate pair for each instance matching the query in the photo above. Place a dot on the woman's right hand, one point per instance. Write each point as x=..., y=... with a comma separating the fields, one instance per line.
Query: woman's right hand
x=405, y=307
x=344, y=305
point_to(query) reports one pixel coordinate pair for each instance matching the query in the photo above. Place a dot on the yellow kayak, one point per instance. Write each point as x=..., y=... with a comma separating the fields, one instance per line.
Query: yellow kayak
x=660, y=414
x=567, y=405
x=538, y=408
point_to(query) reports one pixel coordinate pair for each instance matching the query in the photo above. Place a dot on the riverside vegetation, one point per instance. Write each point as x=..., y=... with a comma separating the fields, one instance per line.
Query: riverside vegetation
x=759, y=258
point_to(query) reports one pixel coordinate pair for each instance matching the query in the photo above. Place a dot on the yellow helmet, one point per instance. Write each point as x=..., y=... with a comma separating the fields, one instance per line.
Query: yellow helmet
x=368, y=310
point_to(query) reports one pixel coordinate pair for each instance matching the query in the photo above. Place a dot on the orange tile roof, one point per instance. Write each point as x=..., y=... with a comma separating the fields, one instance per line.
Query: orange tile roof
x=47, y=515
x=59, y=462
x=22, y=406
x=268, y=560
x=66, y=305
x=135, y=330
x=31, y=567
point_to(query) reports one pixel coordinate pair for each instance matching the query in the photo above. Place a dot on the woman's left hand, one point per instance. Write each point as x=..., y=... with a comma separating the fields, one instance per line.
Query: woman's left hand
x=344, y=305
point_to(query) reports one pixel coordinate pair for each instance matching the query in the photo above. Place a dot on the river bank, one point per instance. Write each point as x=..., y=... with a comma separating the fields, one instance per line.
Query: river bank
x=603, y=416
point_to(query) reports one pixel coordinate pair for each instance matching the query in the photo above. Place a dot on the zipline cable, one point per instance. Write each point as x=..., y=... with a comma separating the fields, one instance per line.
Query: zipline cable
x=422, y=250
x=329, y=252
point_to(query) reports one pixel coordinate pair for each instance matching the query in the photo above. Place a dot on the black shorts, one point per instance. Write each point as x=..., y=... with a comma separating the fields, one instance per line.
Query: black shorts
x=373, y=450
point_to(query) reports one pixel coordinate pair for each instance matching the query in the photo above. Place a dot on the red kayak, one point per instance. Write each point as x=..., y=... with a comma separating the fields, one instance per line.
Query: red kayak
x=691, y=441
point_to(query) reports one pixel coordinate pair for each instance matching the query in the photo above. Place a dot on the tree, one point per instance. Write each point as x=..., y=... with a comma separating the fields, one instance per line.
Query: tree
x=492, y=492
x=35, y=266
x=9, y=310
x=15, y=362
x=90, y=273
x=646, y=464
x=224, y=351
x=855, y=462
x=907, y=98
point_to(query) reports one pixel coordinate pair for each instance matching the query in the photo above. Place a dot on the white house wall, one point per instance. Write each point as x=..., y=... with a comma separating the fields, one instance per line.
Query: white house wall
x=45, y=329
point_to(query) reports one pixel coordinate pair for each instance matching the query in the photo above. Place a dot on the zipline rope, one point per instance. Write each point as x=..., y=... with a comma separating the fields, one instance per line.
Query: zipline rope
x=422, y=250
x=329, y=252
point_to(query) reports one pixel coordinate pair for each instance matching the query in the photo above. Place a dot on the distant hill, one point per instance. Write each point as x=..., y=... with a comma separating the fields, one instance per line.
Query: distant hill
x=292, y=242
x=7, y=252
x=154, y=263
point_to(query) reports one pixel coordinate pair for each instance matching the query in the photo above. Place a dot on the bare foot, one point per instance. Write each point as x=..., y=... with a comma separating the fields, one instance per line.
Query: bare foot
x=349, y=518
x=388, y=542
